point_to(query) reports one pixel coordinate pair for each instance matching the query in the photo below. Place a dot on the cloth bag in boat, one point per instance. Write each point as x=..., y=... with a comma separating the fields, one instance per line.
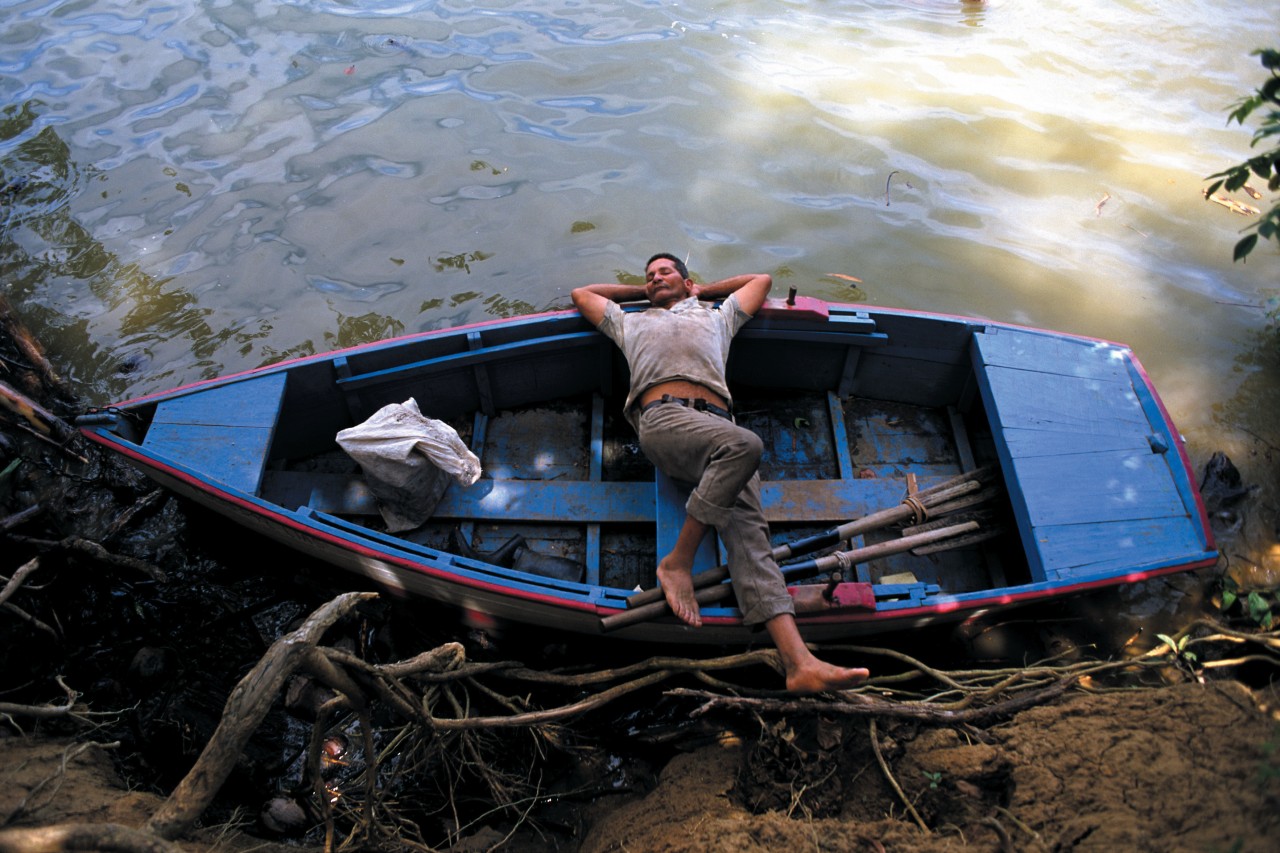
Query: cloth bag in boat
x=408, y=459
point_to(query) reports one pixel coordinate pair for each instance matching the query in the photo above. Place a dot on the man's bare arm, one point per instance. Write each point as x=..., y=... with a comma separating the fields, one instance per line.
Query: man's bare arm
x=752, y=288
x=591, y=299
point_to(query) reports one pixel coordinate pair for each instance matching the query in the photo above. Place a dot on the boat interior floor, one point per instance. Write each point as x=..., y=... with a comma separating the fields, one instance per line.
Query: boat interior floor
x=570, y=481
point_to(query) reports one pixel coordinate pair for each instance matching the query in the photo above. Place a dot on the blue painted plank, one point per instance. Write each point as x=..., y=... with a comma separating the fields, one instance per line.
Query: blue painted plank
x=1024, y=349
x=836, y=500
x=549, y=500
x=224, y=433
x=670, y=498
x=1035, y=396
x=810, y=501
x=254, y=402
x=1078, y=551
x=1074, y=436
x=1085, y=488
x=1056, y=442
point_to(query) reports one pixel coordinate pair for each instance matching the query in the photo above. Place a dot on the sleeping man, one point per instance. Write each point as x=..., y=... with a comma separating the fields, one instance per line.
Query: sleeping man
x=679, y=405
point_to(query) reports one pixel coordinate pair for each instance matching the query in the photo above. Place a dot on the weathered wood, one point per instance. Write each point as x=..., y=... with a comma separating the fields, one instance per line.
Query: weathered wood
x=89, y=548
x=30, y=349
x=942, y=497
x=248, y=704
x=831, y=562
x=18, y=579
x=1078, y=436
x=35, y=416
x=224, y=433
x=20, y=517
x=858, y=705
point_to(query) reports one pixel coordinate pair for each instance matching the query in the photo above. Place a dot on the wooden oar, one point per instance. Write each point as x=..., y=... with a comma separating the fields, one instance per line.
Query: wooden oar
x=818, y=565
x=935, y=498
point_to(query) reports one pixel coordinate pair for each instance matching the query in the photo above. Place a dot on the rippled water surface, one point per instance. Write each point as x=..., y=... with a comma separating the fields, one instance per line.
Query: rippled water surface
x=196, y=188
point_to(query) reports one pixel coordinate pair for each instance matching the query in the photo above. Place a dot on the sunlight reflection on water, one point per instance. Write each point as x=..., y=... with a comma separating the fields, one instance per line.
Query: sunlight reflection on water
x=211, y=187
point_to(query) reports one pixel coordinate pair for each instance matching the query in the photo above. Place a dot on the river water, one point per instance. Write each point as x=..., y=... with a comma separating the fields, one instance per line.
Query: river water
x=191, y=189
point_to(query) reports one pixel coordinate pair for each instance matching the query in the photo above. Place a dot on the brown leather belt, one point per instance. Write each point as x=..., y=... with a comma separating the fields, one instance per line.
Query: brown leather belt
x=697, y=403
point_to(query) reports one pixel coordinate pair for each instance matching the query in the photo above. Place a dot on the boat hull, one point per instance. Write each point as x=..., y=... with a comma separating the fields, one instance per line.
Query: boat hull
x=891, y=401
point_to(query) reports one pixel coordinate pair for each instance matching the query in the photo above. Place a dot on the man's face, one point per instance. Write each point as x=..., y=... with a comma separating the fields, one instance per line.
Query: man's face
x=664, y=285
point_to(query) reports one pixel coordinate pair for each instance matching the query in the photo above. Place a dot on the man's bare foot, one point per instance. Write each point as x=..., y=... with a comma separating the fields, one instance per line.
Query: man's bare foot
x=816, y=676
x=677, y=586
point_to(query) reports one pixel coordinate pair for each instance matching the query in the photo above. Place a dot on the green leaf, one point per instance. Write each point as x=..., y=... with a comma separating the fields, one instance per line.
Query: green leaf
x=1228, y=598
x=1259, y=608
x=1168, y=641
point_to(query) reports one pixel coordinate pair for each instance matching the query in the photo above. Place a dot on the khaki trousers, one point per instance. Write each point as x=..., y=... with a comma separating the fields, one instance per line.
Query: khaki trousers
x=718, y=460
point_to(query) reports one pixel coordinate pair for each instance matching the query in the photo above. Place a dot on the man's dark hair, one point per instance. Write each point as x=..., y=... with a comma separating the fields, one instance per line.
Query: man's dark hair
x=675, y=262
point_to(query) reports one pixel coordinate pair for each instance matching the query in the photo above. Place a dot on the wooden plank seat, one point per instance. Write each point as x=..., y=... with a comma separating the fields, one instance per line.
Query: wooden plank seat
x=223, y=434
x=487, y=500
x=584, y=501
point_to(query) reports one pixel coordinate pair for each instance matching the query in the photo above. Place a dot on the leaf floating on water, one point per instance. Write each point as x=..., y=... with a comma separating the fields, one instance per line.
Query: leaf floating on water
x=1251, y=192
x=845, y=277
x=398, y=261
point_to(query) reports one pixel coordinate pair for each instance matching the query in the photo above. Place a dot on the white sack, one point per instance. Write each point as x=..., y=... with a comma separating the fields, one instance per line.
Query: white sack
x=408, y=459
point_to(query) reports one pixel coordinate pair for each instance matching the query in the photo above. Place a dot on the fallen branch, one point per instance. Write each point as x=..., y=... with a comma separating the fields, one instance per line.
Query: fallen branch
x=1231, y=204
x=20, y=517
x=36, y=416
x=30, y=349
x=89, y=548
x=246, y=707
x=19, y=578
x=39, y=625
x=856, y=705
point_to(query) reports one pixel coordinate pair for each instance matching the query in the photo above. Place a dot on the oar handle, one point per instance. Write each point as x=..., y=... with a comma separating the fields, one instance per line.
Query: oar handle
x=654, y=609
x=934, y=496
x=818, y=565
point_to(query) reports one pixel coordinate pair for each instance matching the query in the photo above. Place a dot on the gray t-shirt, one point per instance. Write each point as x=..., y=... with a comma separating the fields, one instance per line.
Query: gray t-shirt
x=690, y=341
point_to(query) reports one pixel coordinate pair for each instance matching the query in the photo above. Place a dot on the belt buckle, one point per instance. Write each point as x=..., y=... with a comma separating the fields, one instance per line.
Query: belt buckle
x=699, y=404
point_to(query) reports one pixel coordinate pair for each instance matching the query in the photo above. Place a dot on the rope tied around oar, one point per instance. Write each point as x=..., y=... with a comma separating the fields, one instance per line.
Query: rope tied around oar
x=918, y=509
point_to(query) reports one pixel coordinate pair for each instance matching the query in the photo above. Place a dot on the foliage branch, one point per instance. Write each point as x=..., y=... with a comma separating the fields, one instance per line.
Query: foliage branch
x=1266, y=164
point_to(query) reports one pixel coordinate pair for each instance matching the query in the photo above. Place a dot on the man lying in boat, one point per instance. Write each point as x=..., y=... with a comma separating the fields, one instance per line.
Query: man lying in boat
x=679, y=406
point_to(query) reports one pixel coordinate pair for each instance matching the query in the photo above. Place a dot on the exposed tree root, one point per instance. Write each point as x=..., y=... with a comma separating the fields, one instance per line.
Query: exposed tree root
x=453, y=723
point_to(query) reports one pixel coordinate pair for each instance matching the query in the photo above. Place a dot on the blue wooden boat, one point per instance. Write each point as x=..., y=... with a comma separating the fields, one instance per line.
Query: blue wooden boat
x=859, y=407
